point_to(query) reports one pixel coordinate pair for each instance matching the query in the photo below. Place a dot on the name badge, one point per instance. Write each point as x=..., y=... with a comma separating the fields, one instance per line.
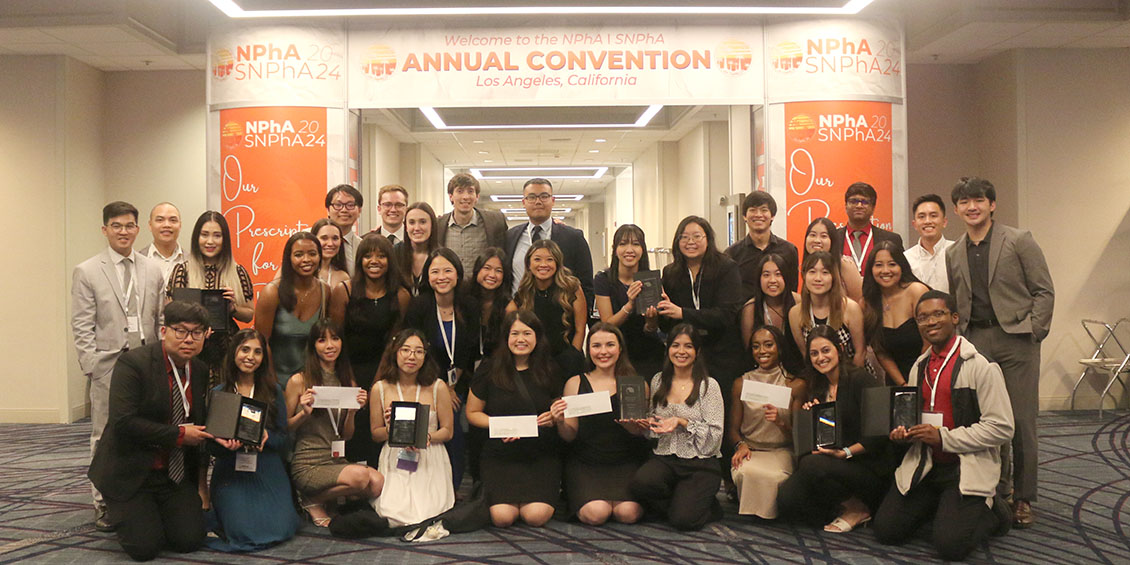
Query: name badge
x=408, y=460
x=133, y=324
x=247, y=462
x=452, y=376
x=337, y=448
x=933, y=419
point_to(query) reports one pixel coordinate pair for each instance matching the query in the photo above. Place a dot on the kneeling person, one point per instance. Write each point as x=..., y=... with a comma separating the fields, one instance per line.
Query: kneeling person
x=148, y=460
x=950, y=472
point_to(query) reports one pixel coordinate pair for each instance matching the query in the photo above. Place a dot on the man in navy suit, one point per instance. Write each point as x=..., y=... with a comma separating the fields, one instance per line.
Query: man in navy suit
x=537, y=197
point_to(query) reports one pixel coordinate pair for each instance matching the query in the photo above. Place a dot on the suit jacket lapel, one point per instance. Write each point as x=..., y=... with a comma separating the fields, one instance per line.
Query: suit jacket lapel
x=111, y=273
x=995, y=246
x=963, y=260
x=164, y=392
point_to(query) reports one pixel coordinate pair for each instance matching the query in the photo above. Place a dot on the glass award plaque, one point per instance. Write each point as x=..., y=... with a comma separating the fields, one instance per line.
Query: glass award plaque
x=634, y=403
x=651, y=293
x=408, y=426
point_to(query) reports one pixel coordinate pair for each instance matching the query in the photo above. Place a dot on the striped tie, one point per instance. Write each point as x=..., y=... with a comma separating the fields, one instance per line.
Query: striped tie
x=176, y=455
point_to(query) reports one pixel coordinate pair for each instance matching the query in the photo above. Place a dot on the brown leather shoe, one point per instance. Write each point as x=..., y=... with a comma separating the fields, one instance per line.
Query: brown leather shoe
x=1022, y=514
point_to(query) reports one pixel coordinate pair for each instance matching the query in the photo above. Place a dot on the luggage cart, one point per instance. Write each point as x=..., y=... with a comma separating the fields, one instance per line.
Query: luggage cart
x=1113, y=364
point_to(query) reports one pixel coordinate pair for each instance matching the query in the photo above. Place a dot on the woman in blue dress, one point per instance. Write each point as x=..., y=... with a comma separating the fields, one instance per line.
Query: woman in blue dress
x=253, y=509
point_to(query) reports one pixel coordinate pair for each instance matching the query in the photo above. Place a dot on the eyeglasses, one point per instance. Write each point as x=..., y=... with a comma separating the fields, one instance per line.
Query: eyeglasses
x=696, y=238
x=394, y=205
x=339, y=206
x=123, y=227
x=931, y=316
x=413, y=351
x=859, y=202
x=182, y=333
x=531, y=198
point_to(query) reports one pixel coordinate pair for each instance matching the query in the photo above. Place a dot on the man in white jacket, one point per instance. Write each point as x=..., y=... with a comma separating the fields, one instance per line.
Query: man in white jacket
x=952, y=465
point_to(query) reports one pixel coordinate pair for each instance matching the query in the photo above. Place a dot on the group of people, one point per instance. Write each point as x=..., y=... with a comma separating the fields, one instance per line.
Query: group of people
x=477, y=321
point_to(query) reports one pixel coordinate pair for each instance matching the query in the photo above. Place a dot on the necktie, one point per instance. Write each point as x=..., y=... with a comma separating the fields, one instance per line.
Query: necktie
x=392, y=238
x=857, y=242
x=535, y=234
x=133, y=338
x=176, y=454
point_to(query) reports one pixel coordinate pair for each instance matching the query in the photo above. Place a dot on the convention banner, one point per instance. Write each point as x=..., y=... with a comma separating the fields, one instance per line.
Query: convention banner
x=609, y=65
x=834, y=59
x=827, y=147
x=273, y=171
x=277, y=65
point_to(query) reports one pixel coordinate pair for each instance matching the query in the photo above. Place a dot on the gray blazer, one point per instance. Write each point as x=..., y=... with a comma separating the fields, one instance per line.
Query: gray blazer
x=1020, y=285
x=493, y=222
x=98, y=310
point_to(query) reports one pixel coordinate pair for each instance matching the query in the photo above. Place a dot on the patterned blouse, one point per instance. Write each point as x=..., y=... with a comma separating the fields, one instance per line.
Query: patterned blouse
x=179, y=279
x=702, y=438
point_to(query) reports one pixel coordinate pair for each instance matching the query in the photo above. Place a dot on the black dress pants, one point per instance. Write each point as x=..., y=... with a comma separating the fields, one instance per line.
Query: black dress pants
x=813, y=493
x=961, y=523
x=162, y=514
x=684, y=490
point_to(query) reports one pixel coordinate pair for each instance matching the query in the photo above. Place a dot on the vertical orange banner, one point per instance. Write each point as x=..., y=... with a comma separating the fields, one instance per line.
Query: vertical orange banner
x=273, y=181
x=829, y=146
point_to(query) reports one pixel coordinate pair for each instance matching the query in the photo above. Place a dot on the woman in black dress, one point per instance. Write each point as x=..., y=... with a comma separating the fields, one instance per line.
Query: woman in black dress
x=770, y=306
x=521, y=476
x=491, y=291
x=420, y=240
x=549, y=290
x=890, y=294
x=604, y=453
x=616, y=292
x=448, y=319
x=368, y=317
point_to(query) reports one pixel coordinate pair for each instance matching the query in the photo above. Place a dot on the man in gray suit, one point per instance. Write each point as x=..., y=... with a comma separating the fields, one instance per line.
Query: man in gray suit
x=468, y=230
x=1005, y=298
x=115, y=306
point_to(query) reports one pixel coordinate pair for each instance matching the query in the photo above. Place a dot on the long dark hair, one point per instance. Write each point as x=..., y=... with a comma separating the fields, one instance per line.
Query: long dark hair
x=389, y=369
x=404, y=249
x=562, y=290
x=873, y=293
x=392, y=281
x=476, y=294
x=759, y=294
x=623, y=236
x=833, y=235
x=835, y=291
x=227, y=272
x=287, y=298
x=503, y=371
x=623, y=365
x=458, y=293
x=673, y=273
x=337, y=261
x=312, y=374
x=818, y=384
x=698, y=368
x=265, y=381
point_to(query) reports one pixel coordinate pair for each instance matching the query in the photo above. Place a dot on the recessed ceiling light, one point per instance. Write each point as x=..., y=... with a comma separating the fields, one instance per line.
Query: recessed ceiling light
x=594, y=151
x=487, y=161
x=437, y=121
x=597, y=172
x=484, y=152
x=233, y=10
x=477, y=141
x=518, y=197
x=509, y=211
x=599, y=140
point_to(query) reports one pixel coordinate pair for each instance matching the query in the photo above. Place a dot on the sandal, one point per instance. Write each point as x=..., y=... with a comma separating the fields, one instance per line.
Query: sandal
x=321, y=522
x=841, y=526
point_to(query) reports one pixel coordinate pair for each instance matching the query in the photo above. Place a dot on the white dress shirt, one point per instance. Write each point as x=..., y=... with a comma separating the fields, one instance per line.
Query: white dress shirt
x=166, y=263
x=930, y=268
x=525, y=240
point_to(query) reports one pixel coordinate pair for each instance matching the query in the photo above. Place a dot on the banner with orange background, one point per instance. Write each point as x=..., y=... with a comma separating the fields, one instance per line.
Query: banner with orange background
x=273, y=170
x=828, y=146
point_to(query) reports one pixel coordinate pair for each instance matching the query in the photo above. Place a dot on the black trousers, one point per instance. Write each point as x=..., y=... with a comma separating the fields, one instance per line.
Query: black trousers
x=961, y=523
x=684, y=490
x=161, y=515
x=813, y=493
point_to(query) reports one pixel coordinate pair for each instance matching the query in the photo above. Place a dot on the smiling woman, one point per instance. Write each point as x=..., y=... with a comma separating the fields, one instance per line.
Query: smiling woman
x=289, y=307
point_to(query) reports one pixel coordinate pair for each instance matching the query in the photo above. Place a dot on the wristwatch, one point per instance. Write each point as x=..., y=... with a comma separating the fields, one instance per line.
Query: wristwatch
x=847, y=452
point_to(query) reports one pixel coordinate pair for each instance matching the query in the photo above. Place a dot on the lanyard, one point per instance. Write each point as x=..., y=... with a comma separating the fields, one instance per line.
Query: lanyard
x=448, y=344
x=863, y=251
x=333, y=418
x=252, y=395
x=694, y=288
x=182, y=387
x=937, y=376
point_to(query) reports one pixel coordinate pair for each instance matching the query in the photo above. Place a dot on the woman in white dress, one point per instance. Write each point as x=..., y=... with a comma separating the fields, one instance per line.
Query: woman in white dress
x=417, y=481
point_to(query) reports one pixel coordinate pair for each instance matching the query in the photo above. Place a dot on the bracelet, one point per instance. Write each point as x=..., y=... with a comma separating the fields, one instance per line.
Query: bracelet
x=847, y=452
x=738, y=444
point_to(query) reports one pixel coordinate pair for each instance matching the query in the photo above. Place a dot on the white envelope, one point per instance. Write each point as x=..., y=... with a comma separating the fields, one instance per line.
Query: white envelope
x=336, y=397
x=763, y=393
x=513, y=426
x=599, y=402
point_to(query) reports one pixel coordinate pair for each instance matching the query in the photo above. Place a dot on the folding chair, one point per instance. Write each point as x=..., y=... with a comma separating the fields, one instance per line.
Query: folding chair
x=1113, y=364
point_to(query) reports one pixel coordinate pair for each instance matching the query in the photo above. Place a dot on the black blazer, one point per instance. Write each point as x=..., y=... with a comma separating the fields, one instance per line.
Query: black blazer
x=716, y=319
x=421, y=315
x=493, y=222
x=578, y=256
x=849, y=401
x=880, y=235
x=140, y=409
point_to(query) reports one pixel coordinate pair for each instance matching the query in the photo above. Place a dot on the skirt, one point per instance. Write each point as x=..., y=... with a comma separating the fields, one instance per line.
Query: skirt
x=585, y=482
x=522, y=481
x=757, y=480
x=312, y=479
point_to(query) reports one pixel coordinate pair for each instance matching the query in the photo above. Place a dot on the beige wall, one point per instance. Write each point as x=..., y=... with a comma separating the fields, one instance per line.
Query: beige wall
x=381, y=167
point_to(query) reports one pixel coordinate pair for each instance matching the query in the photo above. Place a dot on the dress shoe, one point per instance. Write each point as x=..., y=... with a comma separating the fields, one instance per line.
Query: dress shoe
x=1003, y=512
x=102, y=521
x=1022, y=514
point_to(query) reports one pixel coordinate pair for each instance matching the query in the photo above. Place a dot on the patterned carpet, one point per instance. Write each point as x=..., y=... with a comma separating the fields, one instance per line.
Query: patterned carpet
x=1082, y=518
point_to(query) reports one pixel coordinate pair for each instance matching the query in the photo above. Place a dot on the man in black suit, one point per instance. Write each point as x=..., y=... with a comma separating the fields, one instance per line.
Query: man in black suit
x=467, y=230
x=859, y=235
x=758, y=209
x=537, y=197
x=148, y=461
